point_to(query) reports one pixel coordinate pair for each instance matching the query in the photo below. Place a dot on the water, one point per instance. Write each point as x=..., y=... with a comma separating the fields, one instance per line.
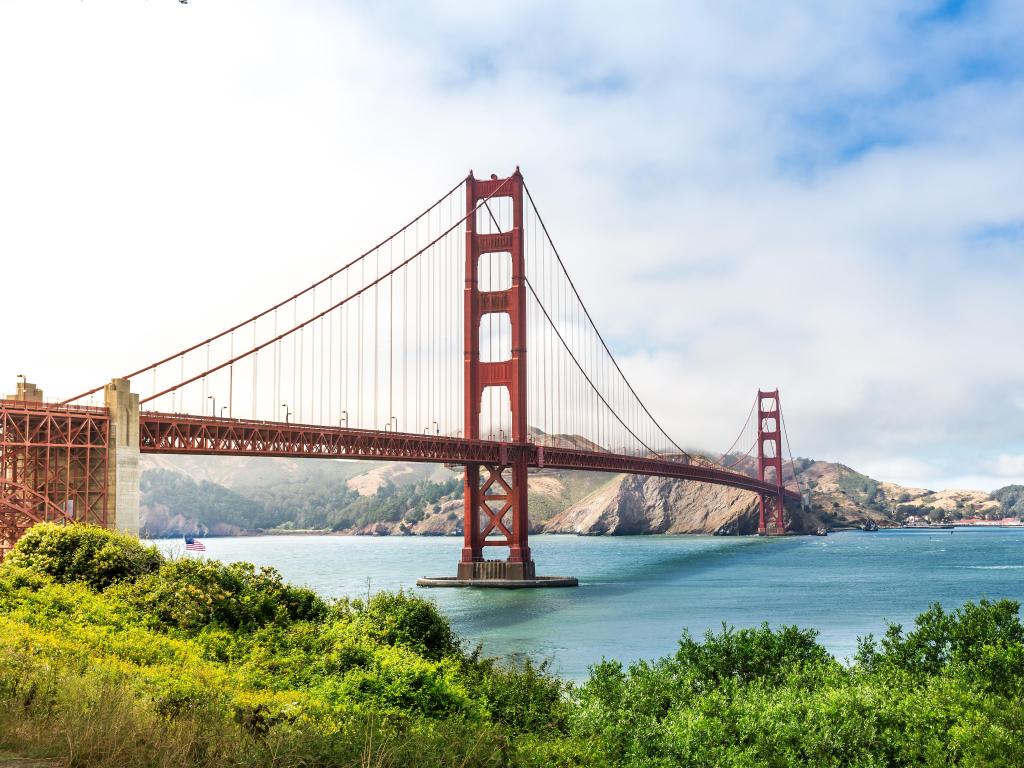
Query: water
x=637, y=593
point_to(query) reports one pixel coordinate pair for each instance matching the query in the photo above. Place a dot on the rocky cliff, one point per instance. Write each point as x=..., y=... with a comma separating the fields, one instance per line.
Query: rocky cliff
x=629, y=504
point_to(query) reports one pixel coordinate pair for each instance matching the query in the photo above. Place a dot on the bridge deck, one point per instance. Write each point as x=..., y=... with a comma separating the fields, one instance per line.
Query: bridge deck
x=184, y=434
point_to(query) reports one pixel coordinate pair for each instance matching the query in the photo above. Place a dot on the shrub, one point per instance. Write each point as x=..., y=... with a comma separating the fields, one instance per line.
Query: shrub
x=397, y=680
x=982, y=642
x=525, y=698
x=191, y=594
x=396, y=618
x=628, y=709
x=85, y=553
x=16, y=577
x=749, y=654
x=758, y=697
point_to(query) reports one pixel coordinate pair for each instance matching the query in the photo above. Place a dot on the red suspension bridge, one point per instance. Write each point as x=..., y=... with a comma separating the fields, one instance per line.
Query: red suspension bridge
x=415, y=350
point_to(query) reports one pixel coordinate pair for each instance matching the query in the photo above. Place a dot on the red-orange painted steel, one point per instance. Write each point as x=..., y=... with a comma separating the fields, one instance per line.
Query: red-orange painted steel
x=54, y=460
x=567, y=458
x=769, y=457
x=505, y=485
x=180, y=433
x=53, y=466
x=183, y=434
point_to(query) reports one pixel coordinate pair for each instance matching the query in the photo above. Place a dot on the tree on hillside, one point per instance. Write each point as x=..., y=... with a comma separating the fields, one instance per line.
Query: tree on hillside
x=1011, y=500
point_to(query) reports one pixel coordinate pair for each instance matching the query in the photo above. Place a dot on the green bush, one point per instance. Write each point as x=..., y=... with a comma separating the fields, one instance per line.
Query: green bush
x=749, y=654
x=85, y=553
x=192, y=594
x=398, y=618
x=524, y=698
x=947, y=693
x=982, y=643
x=398, y=680
x=112, y=658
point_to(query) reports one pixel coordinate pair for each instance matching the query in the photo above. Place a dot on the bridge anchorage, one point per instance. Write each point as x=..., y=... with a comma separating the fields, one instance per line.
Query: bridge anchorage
x=414, y=351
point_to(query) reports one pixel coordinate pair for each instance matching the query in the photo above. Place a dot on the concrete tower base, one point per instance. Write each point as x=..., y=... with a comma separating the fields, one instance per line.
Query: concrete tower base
x=123, y=466
x=498, y=574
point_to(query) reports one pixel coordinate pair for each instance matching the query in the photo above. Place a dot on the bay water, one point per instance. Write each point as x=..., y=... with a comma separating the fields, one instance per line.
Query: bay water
x=637, y=593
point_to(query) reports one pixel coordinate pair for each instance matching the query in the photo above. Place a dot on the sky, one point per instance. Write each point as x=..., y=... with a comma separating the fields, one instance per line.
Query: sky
x=820, y=197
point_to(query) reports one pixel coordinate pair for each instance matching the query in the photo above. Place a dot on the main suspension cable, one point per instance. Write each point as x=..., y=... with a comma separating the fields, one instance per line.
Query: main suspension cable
x=299, y=326
x=280, y=304
x=585, y=375
x=590, y=320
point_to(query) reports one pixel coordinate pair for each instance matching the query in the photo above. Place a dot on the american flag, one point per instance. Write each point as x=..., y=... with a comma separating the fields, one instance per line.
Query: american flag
x=194, y=545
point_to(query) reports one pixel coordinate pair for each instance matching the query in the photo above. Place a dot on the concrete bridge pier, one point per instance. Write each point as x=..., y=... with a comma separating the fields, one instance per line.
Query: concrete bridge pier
x=123, y=459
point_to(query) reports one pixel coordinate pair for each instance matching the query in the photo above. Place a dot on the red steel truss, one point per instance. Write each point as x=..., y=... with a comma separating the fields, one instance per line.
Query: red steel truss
x=54, y=459
x=567, y=458
x=180, y=433
x=53, y=466
x=20, y=509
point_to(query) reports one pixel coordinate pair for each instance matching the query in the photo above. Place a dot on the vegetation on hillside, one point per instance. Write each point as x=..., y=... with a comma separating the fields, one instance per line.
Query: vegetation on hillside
x=861, y=488
x=1011, y=500
x=201, y=505
x=191, y=507
x=112, y=655
x=175, y=504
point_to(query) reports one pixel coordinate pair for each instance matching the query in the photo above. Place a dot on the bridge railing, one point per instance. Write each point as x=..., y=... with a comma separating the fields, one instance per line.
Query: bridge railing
x=35, y=405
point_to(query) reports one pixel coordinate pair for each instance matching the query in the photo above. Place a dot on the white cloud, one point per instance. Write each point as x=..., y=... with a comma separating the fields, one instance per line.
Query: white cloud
x=1010, y=465
x=165, y=169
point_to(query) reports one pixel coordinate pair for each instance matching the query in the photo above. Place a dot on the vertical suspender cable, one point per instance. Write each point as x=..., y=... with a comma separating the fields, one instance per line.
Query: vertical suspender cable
x=375, y=424
x=330, y=357
x=391, y=338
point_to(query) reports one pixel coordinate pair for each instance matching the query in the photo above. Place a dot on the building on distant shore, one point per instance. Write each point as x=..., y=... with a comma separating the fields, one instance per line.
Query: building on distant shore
x=1003, y=521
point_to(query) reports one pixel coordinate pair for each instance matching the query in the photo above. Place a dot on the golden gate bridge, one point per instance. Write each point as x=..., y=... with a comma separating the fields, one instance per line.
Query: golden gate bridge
x=415, y=350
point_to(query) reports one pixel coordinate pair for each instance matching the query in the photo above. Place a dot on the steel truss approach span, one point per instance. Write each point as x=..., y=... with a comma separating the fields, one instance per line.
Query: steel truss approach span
x=53, y=467
x=460, y=338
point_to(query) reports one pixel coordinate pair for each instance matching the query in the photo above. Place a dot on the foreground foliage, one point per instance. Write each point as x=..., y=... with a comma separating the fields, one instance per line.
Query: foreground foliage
x=111, y=655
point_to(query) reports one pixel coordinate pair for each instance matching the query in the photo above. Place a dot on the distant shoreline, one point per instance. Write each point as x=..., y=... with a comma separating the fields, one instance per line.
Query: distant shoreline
x=321, y=532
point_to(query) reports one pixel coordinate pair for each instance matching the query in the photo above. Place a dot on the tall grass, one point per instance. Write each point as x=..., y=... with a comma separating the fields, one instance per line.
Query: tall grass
x=92, y=717
x=89, y=717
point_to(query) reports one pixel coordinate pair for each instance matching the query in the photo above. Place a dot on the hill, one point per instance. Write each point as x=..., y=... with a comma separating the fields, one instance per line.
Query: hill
x=238, y=495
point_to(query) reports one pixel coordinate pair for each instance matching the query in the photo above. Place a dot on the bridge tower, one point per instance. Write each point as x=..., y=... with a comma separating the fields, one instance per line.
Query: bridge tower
x=769, y=463
x=496, y=495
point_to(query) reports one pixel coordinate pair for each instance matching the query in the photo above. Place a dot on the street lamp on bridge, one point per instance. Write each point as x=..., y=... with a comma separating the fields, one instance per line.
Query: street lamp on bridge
x=287, y=413
x=211, y=397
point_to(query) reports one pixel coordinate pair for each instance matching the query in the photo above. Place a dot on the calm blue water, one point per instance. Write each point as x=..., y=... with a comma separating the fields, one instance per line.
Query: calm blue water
x=637, y=593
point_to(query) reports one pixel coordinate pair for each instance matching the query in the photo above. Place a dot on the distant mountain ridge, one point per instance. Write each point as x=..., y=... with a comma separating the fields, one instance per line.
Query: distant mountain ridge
x=184, y=495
